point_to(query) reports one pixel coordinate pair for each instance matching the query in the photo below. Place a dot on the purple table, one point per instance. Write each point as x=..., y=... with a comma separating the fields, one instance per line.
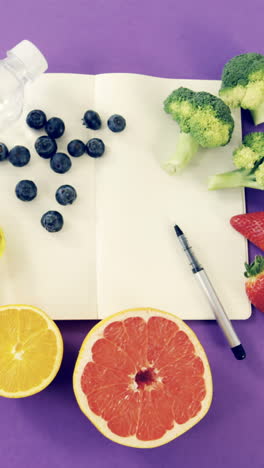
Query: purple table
x=163, y=38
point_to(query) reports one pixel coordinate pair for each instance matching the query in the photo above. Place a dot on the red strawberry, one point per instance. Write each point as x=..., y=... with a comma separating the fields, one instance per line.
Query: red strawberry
x=251, y=226
x=255, y=282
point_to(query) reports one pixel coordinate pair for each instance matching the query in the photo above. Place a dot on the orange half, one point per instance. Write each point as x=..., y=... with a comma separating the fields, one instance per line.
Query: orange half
x=31, y=350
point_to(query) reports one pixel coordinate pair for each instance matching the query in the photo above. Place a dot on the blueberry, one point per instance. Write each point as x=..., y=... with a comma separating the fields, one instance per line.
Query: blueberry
x=26, y=190
x=116, y=123
x=52, y=221
x=66, y=194
x=95, y=147
x=19, y=156
x=76, y=148
x=55, y=127
x=3, y=152
x=45, y=147
x=36, y=119
x=91, y=119
x=60, y=163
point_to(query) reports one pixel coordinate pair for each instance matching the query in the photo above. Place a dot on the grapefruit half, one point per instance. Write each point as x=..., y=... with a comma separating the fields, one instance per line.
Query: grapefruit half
x=142, y=378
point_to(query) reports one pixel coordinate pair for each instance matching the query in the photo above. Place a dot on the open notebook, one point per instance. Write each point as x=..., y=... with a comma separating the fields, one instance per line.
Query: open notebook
x=118, y=249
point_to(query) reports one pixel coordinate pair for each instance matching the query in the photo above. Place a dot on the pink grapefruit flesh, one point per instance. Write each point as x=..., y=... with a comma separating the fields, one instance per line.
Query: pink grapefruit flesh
x=143, y=378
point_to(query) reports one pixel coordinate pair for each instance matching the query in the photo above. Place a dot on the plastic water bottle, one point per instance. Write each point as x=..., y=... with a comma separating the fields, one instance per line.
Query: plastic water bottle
x=22, y=65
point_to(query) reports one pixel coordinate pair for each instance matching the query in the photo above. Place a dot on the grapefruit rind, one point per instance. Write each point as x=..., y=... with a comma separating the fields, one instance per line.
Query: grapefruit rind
x=52, y=326
x=2, y=242
x=85, y=355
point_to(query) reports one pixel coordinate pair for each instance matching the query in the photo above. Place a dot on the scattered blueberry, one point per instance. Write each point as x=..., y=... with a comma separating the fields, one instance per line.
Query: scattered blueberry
x=26, y=190
x=116, y=123
x=60, y=163
x=36, y=119
x=66, y=194
x=55, y=127
x=52, y=221
x=3, y=152
x=95, y=147
x=45, y=147
x=19, y=156
x=76, y=148
x=91, y=119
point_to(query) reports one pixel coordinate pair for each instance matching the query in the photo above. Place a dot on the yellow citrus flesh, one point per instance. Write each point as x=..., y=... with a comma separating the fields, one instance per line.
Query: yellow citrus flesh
x=31, y=350
x=115, y=400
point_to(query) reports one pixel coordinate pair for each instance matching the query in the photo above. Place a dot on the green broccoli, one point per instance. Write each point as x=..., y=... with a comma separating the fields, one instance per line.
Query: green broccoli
x=249, y=160
x=204, y=120
x=243, y=84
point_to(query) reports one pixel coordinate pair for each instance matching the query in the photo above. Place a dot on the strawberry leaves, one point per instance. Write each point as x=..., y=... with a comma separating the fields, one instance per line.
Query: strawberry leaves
x=254, y=268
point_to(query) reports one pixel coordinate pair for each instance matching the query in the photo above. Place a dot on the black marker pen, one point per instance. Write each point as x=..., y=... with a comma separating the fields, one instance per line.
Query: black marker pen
x=219, y=312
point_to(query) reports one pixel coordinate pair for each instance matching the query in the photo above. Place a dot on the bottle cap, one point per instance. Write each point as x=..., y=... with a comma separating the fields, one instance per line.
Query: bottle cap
x=33, y=60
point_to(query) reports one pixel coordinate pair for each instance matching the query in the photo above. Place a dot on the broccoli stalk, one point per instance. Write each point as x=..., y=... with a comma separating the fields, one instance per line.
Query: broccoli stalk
x=249, y=160
x=258, y=114
x=234, y=179
x=204, y=120
x=243, y=84
x=187, y=147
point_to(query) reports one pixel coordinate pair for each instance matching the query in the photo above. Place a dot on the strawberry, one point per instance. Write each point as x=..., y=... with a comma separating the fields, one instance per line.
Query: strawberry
x=251, y=226
x=255, y=282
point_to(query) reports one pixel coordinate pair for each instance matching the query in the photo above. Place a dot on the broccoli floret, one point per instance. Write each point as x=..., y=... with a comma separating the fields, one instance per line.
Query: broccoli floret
x=244, y=157
x=249, y=161
x=255, y=141
x=243, y=84
x=180, y=105
x=204, y=120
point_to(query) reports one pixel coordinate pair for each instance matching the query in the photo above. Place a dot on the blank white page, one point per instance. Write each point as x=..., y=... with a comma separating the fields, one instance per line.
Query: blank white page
x=139, y=260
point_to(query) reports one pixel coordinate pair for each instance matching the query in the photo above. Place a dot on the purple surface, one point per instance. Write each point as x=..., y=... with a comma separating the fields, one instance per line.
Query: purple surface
x=164, y=38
